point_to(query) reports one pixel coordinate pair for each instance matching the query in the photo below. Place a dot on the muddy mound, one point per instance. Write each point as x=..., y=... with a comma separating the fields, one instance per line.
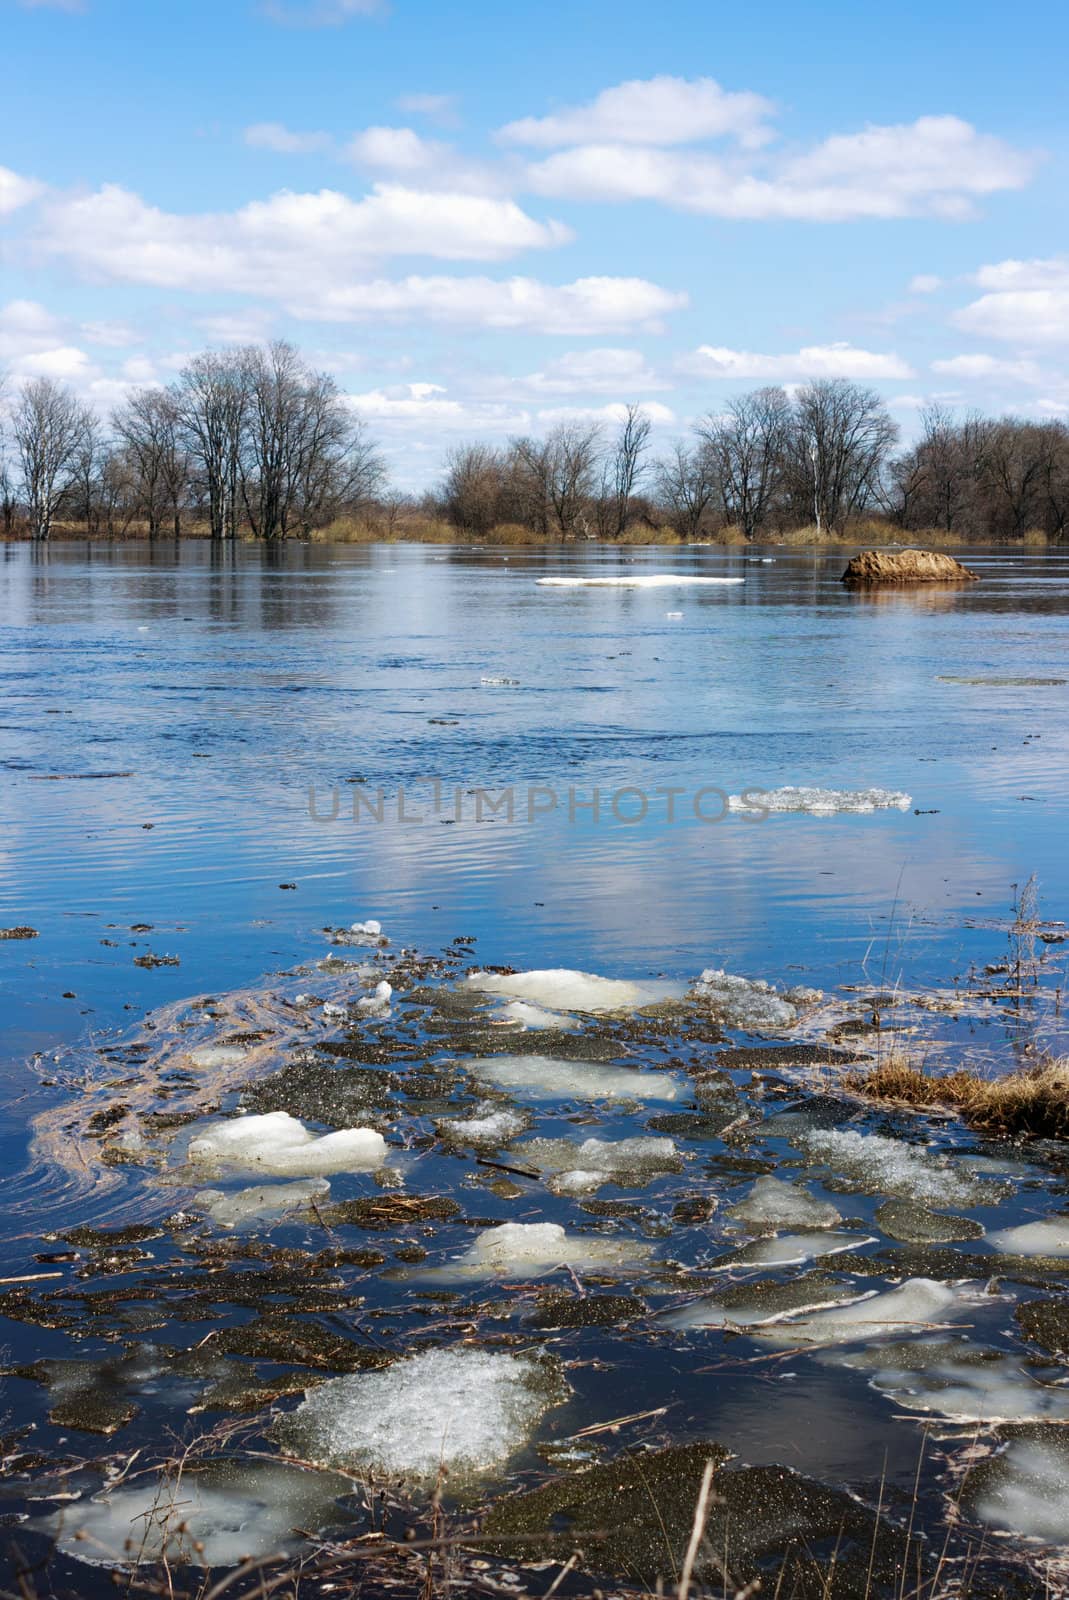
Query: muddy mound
x=905, y=566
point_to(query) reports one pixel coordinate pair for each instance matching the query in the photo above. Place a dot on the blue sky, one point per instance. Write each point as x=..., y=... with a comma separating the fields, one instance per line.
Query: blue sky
x=482, y=219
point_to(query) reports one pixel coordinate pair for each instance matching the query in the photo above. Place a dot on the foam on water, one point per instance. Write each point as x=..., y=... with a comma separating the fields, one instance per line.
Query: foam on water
x=567, y=990
x=462, y=1409
x=552, y=1078
x=772, y=1204
x=282, y=1146
x=820, y=802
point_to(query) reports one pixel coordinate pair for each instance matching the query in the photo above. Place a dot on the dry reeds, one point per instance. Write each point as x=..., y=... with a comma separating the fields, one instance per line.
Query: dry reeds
x=1032, y=1103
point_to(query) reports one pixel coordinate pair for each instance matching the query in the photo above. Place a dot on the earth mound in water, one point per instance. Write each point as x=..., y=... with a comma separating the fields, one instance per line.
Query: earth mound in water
x=906, y=566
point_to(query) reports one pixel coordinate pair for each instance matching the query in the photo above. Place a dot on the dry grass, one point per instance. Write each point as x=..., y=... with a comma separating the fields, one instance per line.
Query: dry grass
x=1029, y=1104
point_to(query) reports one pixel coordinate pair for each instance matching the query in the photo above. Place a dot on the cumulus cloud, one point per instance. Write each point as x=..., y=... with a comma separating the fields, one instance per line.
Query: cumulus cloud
x=980, y=368
x=1026, y=302
x=652, y=111
x=408, y=407
x=925, y=283
x=285, y=141
x=813, y=361
x=289, y=246
x=936, y=166
x=606, y=370
x=587, y=306
x=16, y=191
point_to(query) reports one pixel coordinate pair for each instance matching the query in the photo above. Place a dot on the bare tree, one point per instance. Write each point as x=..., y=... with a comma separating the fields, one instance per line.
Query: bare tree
x=747, y=446
x=623, y=469
x=571, y=457
x=210, y=398
x=687, y=486
x=50, y=426
x=147, y=428
x=472, y=493
x=841, y=439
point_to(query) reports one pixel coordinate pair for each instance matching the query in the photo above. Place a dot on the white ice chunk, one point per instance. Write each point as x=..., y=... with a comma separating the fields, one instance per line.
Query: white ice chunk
x=643, y=580
x=819, y=802
x=964, y=1387
x=744, y=1003
x=520, y=1014
x=493, y=1125
x=1050, y=1237
x=877, y=1165
x=333, y=1012
x=211, y=1517
x=916, y=1304
x=790, y=1249
x=550, y=1078
x=534, y=1249
x=279, y=1144
x=217, y=1055
x=602, y=1160
x=378, y=1002
x=462, y=1409
x=269, y=1200
x=771, y=1205
x=1028, y=1493
x=563, y=988
x=371, y=929
x=760, y=1310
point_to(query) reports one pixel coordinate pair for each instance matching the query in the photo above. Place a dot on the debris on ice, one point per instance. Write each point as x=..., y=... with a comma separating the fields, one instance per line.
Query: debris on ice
x=279, y=1144
x=567, y=990
x=463, y=1410
x=552, y=1078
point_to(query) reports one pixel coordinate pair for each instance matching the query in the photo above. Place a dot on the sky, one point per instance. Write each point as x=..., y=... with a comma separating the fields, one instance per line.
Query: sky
x=486, y=219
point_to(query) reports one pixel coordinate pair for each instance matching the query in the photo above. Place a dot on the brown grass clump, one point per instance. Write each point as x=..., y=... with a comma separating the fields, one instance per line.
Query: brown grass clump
x=1029, y=1104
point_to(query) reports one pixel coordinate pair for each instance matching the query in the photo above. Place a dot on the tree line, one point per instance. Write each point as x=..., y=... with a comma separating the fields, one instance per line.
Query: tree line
x=244, y=441
x=255, y=442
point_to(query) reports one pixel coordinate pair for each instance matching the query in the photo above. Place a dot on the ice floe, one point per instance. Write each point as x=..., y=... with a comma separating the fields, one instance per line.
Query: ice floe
x=521, y=1014
x=210, y=1056
x=971, y=1384
x=492, y=1124
x=209, y=1517
x=749, y=1003
x=554, y=1078
x=564, y=989
x=279, y=1144
x=232, y=1209
x=869, y=1163
x=1025, y=1490
x=637, y=580
x=1050, y=1237
x=917, y=1303
x=756, y=1305
x=819, y=802
x=587, y=1164
x=462, y=1409
x=535, y=1249
x=772, y=1204
x=791, y=1249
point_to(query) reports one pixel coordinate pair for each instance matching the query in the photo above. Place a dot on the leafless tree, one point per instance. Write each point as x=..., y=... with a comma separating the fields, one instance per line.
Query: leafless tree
x=210, y=399
x=841, y=439
x=50, y=425
x=571, y=455
x=687, y=486
x=473, y=489
x=147, y=429
x=747, y=447
x=623, y=469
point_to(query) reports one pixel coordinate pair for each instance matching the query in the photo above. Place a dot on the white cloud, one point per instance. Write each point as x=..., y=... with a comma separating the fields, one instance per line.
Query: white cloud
x=401, y=410
x=114, y=335
x=925, y=283
x=440, y=108
x=1027, y=302
x=651, y=111
x=978, y=368
x=16, y=191
x=285, y=141
x=935, y=166
x=291, y=246
x=598, y=371
x=319, y=13
x=813, y=361
x=616, y=412
x=587, y=306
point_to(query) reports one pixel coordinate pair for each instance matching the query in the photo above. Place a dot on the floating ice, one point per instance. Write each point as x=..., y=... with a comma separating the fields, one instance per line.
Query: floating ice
x=763, y=1304
x=917, y=1303
x=333, y=1012
x=535, y=1249
x=491, y=1126
x=500, y=683
x=282, y=1146
x=971, y=1384
x=519, y=1013
x=1050, y=1237
x=232, y=1209
x=771, y=1205
x=819, y=802
x=745, y=1003
x=462, y=1409
x=370, y=929
x=378, y=1002
x=215, y=1516
x=574, y=991
x=599, y=1161
x=551, y=1078
x=791, y=1249
x=644, y=580
x=873, y=1164
x=217, y=1055
x=1025, y=1490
